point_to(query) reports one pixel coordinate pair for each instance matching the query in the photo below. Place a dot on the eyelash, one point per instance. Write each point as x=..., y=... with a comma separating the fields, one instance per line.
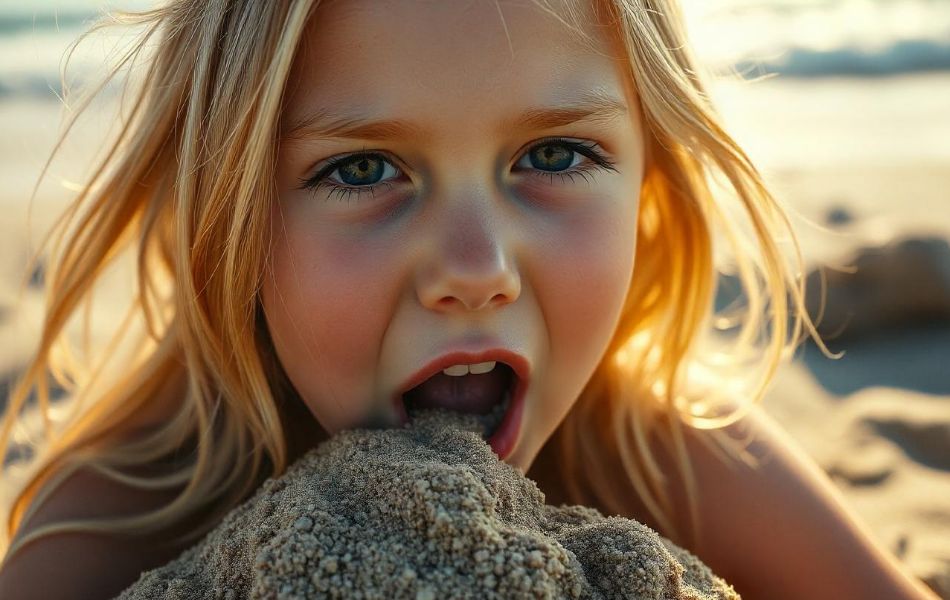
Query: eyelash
x=344, y=192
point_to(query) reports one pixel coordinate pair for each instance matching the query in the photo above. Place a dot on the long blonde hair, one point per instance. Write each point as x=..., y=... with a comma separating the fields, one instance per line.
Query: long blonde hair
x=187, y=186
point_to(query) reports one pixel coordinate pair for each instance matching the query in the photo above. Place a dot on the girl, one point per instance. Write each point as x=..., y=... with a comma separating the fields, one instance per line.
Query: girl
x=332, y=201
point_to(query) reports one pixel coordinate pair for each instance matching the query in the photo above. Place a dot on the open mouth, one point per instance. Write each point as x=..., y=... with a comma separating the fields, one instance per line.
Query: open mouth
x=487, y=395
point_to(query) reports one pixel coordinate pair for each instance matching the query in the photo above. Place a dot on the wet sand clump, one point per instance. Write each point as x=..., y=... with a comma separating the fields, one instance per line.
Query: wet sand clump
x=423, y=512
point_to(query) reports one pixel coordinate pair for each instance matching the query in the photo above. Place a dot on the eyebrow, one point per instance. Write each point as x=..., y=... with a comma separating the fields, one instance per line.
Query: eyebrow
x=593, y=106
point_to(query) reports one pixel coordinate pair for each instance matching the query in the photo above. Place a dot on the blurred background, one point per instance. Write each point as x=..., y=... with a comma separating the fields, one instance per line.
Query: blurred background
x=845, y=107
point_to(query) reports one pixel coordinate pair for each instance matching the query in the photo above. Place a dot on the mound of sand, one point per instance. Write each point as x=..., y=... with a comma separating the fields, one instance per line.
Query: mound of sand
x=905, y=282
x=423, y=512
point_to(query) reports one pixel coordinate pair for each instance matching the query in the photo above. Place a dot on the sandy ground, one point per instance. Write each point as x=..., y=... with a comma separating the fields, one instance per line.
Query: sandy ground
x=421, y=513
x=877, y=420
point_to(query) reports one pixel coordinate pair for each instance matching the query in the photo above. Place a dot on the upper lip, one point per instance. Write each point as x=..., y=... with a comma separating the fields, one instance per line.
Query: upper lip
x=517, y=362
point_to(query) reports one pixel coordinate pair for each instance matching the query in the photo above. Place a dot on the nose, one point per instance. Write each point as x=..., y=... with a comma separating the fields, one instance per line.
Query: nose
x=471, y=265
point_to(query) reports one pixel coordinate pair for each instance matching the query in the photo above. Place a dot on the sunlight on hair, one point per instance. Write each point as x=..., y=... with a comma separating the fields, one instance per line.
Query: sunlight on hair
x=183, y=192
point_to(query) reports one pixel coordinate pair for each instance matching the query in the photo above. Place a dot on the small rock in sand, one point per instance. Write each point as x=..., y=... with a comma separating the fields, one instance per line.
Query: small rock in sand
x=427, y=511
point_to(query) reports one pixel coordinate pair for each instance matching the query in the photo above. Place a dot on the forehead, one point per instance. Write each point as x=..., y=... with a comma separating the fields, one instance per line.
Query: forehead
x=454, y=61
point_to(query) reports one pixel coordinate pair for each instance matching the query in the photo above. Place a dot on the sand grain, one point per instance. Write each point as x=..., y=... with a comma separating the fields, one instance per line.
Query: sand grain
x=422, y=512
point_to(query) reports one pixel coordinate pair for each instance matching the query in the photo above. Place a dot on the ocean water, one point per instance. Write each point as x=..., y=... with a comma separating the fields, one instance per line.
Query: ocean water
x=821, y=38
x=791, y=38
x=34, y=39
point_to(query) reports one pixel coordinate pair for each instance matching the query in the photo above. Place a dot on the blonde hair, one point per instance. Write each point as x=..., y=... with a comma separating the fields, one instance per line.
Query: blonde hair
x=188, y=184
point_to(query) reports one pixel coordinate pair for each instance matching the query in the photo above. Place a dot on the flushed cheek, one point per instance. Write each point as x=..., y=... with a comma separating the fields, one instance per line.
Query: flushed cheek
x=336, y=292
x=579, y=269
x=582, y=281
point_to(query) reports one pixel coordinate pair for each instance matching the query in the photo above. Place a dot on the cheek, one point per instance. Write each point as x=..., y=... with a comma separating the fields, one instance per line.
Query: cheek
x=328, y=304
x=589, y=270
x=329, y=286
x=582, y=282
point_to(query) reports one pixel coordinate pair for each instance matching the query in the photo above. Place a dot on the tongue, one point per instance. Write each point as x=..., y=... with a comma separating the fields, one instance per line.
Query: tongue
x=468, y=393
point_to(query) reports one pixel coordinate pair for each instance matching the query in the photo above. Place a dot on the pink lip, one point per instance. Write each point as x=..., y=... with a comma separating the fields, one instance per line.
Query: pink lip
x=504, y=438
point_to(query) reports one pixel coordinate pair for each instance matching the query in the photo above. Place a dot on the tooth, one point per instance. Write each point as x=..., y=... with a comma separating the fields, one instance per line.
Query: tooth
x=456, y=370
x=480, y=368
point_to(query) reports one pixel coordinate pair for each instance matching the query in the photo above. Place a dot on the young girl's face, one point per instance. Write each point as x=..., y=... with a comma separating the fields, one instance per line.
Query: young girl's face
x=459, y=224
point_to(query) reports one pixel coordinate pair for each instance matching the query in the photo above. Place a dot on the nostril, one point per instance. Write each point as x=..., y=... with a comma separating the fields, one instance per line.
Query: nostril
x=499, y=299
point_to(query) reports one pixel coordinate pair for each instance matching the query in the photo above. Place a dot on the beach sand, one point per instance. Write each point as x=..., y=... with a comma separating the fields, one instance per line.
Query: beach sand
x=423, y=512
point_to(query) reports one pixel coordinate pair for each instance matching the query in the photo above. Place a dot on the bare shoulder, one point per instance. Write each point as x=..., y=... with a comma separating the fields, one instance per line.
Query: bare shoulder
x=765, y=522
x=78, y=564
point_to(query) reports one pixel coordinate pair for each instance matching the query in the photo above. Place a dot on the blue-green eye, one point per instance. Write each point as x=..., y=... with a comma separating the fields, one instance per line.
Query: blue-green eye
x=353, y=174
x=551, y=157
x=363, y=169
x=368, y=171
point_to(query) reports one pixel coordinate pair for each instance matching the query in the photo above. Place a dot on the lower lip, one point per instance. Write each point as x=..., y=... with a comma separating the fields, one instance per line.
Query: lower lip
x=506, y=436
